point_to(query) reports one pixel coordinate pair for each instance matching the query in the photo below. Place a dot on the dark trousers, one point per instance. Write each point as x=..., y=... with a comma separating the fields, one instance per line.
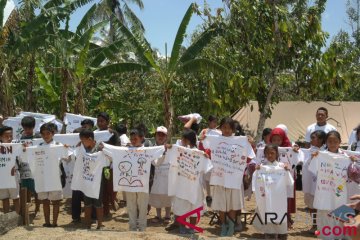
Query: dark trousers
x=77, y=197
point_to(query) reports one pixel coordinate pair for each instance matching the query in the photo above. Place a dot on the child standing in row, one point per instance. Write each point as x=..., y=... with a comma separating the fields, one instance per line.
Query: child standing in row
x=6, y=136
x=271, y=194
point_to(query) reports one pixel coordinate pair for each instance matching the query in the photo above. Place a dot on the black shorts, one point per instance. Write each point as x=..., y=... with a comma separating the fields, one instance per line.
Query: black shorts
x=93, y=202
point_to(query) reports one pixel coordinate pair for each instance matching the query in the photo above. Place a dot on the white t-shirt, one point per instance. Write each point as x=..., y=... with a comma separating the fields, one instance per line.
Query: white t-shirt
x=102, y=136
x=124, y=140
x=24, y=168
x=88, y=172
x=270, y=183
x=161, y=177
x=187, y=167
x=314, y=127
x=73, y=121
x=331, y=188
x=9, y=152
x=229, y=157
x=131, y=166
x=308, y=178
x=68, y=165
x=44, y=161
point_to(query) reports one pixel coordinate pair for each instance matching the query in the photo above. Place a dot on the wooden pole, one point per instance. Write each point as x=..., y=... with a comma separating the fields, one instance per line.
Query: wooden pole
x=24, y=209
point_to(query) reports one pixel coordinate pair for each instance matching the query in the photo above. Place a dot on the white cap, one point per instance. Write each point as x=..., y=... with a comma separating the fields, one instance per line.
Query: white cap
x=161, y=129
x=283, y=127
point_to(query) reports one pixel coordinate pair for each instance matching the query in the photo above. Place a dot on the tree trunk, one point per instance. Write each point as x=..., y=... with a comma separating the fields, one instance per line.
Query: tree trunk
x=79, y=99
x=264, y=113
x=30, y=104
x=169, y=112
x=6, y=104
x=64, y=88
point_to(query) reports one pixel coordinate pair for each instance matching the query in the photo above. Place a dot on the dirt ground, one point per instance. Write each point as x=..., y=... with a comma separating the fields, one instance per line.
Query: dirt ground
x=116, y=227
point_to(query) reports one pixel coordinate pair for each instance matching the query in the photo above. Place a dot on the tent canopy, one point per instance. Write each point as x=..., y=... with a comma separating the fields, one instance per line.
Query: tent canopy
x=297, y=116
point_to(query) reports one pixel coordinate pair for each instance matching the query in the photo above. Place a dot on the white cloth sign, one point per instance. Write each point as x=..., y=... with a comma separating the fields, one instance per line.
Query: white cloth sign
x=24, y=168
x=73, y=121
x=88, y=172
x=41, y=118
x=131, y=166
x=9, y=152
x=44, y=163
x=102, y=136
x=229, y=157
x=69, y=170
x=269, y=184
x=308, y=178
x=187, y=167
x=331, y=170
x=15, y=123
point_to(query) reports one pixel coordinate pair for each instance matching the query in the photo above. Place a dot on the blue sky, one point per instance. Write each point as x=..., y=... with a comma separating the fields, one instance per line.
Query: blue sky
x=161, y=19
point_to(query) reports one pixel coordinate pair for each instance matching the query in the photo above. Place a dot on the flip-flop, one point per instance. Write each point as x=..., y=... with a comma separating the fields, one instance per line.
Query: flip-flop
x=156, y=219
x=167, y=220
x=48, y=225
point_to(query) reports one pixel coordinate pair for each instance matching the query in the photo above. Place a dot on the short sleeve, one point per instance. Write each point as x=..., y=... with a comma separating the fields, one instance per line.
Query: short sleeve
x=313, y=166
x=307, y=134
x=250, y=151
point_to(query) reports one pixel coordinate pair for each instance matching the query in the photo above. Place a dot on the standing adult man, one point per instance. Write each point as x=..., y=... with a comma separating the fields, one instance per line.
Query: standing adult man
x=321, y=124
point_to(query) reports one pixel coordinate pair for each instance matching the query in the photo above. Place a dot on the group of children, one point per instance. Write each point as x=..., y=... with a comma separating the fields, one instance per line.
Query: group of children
x=224, y=194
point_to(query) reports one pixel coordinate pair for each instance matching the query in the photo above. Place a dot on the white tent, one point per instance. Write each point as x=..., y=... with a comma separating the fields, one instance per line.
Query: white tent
x=297, y=115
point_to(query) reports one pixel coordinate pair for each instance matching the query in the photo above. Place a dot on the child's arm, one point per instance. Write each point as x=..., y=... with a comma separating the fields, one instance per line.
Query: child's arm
x=189, y=123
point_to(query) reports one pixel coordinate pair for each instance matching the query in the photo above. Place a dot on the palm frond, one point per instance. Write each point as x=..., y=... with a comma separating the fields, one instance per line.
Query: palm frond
x=180, y=35
x=203, y=65
x=199, y=44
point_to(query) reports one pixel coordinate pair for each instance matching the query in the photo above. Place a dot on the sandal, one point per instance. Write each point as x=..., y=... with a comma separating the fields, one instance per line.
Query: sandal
x=156, y=219
x=54, y=225
x=167, y=220
x=48, y=225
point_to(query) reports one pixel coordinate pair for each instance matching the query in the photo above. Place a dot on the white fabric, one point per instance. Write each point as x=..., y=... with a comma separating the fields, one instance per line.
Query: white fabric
x=352, y=138
x=131, y=166
x=15, y=123
x=187, y=117
x=308, y=177
x=187, y=167
x=161, y=176
x=41, y=118
x=229, y=156
x=314, y=127
x=353, y=187
x=44, y=164
x=269, y=184
x=331, y=188
x=88, y=172
x=8, y=154
x=124, y=140
x=70, y=139
x=73, y=121
x=102, y=136
x=25, y=171
x=69, y=170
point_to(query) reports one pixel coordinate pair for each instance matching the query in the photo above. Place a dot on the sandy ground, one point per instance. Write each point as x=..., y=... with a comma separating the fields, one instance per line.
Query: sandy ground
x=116, y=227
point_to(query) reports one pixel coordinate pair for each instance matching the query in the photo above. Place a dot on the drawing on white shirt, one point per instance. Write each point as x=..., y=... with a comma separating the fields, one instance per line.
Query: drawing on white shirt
x=126, y=175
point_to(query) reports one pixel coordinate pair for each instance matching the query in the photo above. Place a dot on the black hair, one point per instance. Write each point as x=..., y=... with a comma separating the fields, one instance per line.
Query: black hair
x=121, y=129
x=333, y=133
x=272, y=146
x=228, y=120
x=114, y=139
x=195, y=127
x=137, y=131
x=87, y=133
x=104, y=115
x=142, y=127
x=357, y=130
x=323, y=109
x=265, y=132
x=212, y=118
x=239, y=131
x=51, y=127
x=3, y=129
x=78, y=130
x=190, y=135
x=28, y=122
x=321, y=135
x=88, y=122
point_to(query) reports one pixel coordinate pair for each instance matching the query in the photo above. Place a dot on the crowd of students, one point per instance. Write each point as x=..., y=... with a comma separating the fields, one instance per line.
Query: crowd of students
x=264, y=160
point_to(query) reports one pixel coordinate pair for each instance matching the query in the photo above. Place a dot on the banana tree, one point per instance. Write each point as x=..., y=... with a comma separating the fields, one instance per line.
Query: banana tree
x=180, y=62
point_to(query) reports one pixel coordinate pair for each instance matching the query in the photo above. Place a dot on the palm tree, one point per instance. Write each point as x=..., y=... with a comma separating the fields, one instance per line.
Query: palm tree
x=180, y=62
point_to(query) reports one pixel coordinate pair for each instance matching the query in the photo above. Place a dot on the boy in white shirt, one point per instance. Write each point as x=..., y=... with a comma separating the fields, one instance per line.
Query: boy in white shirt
x=6, y=136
